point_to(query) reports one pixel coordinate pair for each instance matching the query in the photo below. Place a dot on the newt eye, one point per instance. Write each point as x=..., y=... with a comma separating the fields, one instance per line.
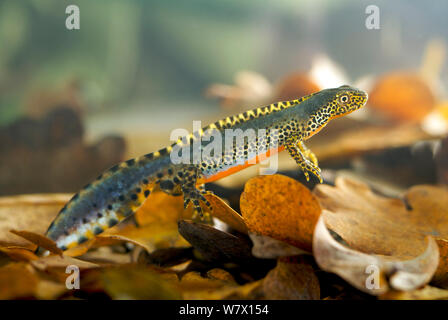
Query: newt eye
x=344, y=98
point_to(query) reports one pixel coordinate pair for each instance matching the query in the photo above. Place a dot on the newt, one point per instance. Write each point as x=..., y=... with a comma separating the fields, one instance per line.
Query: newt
x=117, y=193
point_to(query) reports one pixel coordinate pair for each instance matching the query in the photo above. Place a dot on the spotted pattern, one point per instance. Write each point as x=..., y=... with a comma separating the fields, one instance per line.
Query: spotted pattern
x=120, y=191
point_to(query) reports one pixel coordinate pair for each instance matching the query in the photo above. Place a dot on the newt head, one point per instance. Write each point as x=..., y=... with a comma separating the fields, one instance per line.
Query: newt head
x=346, y=99
x=332, y=103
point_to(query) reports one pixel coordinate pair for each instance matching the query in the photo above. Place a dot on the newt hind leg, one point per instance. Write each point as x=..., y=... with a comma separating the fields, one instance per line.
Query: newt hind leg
x=184, y=181
x=195, y=195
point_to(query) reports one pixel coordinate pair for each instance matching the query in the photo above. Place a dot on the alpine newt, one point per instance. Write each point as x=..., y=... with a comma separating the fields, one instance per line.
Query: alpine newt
x=120, y=191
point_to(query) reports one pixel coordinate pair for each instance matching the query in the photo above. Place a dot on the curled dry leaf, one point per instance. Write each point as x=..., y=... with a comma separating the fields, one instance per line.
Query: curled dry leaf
x=281, y=208
x=45, y=263
x=292, y=279
x=213, y=244
x=375, y=224
x=32, y=213
x=39, y=240
x=19, y=253
x=224, y=212
x=369, y=272
x=268, y=248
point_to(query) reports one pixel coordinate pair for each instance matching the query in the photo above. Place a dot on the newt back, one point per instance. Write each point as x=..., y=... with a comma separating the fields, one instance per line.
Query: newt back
x=121, y=190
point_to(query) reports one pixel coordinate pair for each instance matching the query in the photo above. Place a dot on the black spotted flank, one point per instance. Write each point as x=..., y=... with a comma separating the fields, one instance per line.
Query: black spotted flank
x=112, y=222
x=130, y=162
x=147, y=192
x=134, y=196
x=82, y=239
x=149, y=156
x=166, y=185
x=114, y=168
x=87, y=186
x=97, y=230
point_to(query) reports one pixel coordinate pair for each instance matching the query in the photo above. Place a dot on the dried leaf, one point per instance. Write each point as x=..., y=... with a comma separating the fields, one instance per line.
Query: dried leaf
x=224, y=212
x=33, y=213
x=372, y=223
x=39, y=240
x=281, y=208
x=371, y=273
x=45, y=263
x=19, y=253
x=402, y=96
x=268, y=248
x=291, y=279
x=213, y=244
x=17, y=281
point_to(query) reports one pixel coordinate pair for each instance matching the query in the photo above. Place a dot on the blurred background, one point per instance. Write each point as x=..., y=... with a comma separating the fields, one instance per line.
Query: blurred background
x=75, y=102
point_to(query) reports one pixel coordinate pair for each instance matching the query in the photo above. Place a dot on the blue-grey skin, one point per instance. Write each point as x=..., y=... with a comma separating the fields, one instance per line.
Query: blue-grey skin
x=117, y=193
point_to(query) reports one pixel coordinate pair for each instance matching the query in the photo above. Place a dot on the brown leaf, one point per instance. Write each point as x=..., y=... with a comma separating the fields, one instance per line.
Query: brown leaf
x=281, y=208
x=372, y=273
x=17, y=280
x=402, y=96
x=33, y=213
x=224, y=212
x=39, y=240
x=268, y=248
x=292, y=279
x=375, y=224
x=19, y=253
x=62, y=262
x=213, y=244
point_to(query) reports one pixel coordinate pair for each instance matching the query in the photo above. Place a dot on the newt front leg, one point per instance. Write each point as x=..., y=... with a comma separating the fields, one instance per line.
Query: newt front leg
x=297, y=151
x=308, y=153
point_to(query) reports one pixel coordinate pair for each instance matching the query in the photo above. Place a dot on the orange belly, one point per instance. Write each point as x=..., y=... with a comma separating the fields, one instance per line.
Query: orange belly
x=240, y=167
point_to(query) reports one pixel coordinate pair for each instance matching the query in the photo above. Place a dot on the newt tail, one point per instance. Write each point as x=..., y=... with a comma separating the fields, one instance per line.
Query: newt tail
x=120, y=191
